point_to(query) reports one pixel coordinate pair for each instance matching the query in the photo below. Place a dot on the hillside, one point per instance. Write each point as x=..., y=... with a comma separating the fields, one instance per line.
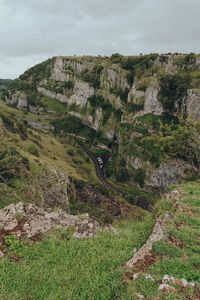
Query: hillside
x=87, y=142
x=136, y=107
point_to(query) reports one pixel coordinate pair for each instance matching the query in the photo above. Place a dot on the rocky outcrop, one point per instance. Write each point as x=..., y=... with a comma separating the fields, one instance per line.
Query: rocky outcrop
x=82, y=91
x=19, y=99
x=152, y=105
x=25, y=219
x=112, y=78
x=156, y=235
x=98, y=117
x=50, y=94
x=110, y=134
x=171, y=67
x=168, y=173
x=135, y=94
x=192, y=105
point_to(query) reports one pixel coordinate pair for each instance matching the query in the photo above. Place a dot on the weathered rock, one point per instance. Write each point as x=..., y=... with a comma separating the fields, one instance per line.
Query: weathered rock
x=171, y=68
x=166, y=288
x=191, y=105
x=111, y=78
x=138, y=296
x=168, y=173
x=135, y=276
x=135, y=94
x=156, y=235
x=37, y=220
x=152, y=105
x=110, y=133
x=18, y=99
x=82, y=91
x=147, y=276
x=168, y=278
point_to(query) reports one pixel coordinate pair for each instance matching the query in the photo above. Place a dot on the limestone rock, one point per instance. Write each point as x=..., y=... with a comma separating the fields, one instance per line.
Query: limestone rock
x=82, y=91
x=168, y=278
x=37, y=220
x=167, y=173
x=152, y=105
x=18, y=99
x=166, y=288
x=191, y=105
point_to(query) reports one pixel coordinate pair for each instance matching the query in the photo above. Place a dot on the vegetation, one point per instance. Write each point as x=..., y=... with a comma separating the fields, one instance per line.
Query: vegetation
x=92, y=76
x=172, y=90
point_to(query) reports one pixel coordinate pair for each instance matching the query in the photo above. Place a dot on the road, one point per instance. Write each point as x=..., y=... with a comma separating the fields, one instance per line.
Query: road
x=143, y=203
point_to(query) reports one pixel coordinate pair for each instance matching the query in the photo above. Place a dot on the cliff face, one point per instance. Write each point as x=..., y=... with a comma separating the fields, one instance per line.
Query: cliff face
x=124, y=99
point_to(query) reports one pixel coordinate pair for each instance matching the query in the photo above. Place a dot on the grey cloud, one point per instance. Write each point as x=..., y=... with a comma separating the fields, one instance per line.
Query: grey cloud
x=32, y=30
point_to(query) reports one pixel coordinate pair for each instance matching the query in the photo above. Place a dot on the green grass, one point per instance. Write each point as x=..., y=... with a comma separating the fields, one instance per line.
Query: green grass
x=60, y=268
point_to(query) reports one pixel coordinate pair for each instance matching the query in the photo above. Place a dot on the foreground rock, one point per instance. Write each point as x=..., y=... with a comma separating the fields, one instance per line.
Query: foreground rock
x=27, y=219
x=156, y=235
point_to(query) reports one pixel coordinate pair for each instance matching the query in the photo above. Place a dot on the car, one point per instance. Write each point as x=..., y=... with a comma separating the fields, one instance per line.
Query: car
x=99, y=160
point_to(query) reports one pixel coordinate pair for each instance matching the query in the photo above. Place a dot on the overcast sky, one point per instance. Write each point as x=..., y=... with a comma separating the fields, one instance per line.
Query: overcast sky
x=34, y=30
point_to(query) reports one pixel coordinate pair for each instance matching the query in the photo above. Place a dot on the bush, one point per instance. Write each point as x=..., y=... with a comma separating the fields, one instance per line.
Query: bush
x=122, y=175
x=172, y=90
x=140, y=177
x=33, y=150
x=70, y=152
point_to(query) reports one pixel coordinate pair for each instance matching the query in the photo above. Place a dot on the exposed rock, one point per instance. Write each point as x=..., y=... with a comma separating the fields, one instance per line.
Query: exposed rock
x=135, y=276
x=98, y=116
x=168, y=278
x=192, y=105
x=135, y=94
x=82, y=91
x=50, y=94
x=175, y=194
x=58, y=70
x=110, y=133
x=152, y=105
x=111, y=78
x=171, y=68
x=36, y=110
x=166, y=288
x=18, y=99
x=39, y=125
x=156, y=235
x=137, y=163
x=86, y=119
x=37, y=220
x=168, y=173
x=147, y=276
x=138, y=296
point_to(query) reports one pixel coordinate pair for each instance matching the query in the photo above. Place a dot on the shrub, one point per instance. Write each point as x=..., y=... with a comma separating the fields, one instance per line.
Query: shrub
x=172, y=90
x=139, y=177
x=70, y=152
x=33, y=150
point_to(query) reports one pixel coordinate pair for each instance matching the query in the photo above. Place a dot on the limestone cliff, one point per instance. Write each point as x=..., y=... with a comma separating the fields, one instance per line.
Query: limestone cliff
x=122, y=99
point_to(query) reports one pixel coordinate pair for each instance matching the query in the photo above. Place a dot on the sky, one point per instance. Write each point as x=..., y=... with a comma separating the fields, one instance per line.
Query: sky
x=33, y=30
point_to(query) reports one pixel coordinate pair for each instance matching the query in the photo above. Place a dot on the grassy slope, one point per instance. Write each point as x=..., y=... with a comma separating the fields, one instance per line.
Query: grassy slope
x=53, y=153
x=63, y=268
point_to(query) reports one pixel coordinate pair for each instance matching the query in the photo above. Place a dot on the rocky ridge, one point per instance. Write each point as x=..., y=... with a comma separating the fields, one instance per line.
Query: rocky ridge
x=25, y=219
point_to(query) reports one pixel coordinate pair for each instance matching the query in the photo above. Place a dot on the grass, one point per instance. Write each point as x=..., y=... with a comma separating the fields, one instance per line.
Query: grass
x=61, y=268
